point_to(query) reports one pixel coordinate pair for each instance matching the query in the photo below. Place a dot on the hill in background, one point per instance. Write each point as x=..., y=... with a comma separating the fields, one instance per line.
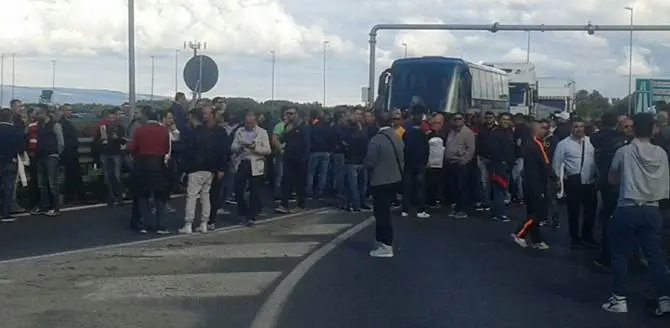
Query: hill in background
x=70, y=95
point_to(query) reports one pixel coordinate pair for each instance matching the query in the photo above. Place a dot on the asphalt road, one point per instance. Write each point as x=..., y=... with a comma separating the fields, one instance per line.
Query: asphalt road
x=459, y=274
x=92, y=227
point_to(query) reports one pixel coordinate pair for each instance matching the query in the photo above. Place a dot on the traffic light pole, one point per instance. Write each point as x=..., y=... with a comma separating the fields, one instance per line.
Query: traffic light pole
x=493, y=28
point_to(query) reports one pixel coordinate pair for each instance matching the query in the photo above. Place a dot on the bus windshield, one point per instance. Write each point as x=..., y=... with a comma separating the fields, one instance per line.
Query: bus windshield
x=517, y=94
x=427, y=82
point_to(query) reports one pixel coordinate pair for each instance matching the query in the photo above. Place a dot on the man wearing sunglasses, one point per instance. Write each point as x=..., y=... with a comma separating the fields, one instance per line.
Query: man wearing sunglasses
x=459, y=151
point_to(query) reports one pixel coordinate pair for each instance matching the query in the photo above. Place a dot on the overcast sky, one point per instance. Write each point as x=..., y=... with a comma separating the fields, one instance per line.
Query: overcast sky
x=88, y=40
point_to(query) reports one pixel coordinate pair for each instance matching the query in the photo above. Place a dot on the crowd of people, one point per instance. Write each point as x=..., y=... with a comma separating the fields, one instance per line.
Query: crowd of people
x=412, y=159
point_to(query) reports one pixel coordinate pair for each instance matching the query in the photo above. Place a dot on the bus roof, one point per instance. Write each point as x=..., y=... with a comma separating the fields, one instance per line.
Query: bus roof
x=441, y=59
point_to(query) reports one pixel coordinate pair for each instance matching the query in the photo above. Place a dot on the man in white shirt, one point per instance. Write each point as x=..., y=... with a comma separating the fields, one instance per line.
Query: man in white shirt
x=574, y=161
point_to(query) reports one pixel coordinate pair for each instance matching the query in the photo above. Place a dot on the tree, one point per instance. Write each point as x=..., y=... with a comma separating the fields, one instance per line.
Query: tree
x=591, y=104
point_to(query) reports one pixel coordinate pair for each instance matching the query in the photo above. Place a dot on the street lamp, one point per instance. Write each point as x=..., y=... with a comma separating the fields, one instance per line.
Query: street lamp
x=274, y=62
x=630, y=62
x=153, y=76
x=13, y=74
x=176, y=71
x=325, y=46
x=405, y=45
x=2, y=78
x=528, y=49
x=131, y=62
x=53, y=75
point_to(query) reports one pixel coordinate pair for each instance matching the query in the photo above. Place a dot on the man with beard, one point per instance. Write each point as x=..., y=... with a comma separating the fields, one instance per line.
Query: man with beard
x=605, y=143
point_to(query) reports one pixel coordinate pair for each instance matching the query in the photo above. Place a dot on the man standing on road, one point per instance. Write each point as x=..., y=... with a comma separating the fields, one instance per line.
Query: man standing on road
x=641, y=171
x=460, y=149
x=296, y=137
x=501, y=153
x=385, y=160
x=50, y=146
x=13, y=144
x=17, y=120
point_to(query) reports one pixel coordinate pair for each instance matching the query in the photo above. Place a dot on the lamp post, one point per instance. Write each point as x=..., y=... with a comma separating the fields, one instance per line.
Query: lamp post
x=274, y=63
x=630, y=63
x=2, y=78
x=132, y=97
x=13, y=74
x=528, y=49
x=153, y=76
x=405, y=45
x=325, y=47
x=176, y=71
x=53, y=75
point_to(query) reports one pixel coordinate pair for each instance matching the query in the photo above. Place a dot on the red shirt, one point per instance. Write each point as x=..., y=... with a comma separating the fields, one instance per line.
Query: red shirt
x=33, y=128
x=151, y=139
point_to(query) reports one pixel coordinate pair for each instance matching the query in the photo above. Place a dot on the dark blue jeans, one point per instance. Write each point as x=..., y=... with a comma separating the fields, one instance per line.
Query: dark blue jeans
x=111, y=166
x=317, y=166
x=357, y=184
x=631, y=227
x=47, y=178
x=7, y=184
x=339, y=170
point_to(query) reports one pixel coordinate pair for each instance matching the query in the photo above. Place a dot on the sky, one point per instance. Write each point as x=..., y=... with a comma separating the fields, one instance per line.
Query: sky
x=87, y=41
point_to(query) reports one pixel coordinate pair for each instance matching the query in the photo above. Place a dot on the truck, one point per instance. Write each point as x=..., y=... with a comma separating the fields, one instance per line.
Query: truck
x=556, y=94
x=523, y=86
x=443, y=84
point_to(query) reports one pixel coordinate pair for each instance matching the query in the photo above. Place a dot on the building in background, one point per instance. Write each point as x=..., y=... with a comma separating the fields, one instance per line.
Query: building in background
x=523, y=86
x=555, y=94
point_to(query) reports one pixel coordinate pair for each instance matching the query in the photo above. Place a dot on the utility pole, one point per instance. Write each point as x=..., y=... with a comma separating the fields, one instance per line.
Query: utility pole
x=274, y=62
x=53, y=75
x=325, y=47
x=405, y=45
x=196, y=46
x=132, y=96
x=13, y=73
x=153, y=77
x=528, y=49
x=630, y=64
x=2, y=79
x=176, y=71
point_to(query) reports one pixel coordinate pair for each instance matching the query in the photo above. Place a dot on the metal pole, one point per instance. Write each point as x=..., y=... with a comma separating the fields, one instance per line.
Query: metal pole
x=274, y=63
x=132, y=96
x=528, y=50
x=325, y=45
x=153, y=76
x=405, y=45
x=13, y=74
x=493, y=28
x=630, y=64
x=53, y=75
x=199, y=88
x=176, y=71
x=2, y=79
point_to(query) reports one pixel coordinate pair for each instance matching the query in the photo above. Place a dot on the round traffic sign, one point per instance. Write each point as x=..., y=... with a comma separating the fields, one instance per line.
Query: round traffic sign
x=201, y=73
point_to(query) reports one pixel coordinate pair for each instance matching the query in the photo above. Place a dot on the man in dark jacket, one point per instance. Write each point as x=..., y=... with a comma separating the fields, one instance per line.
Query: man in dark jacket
x=537, y=171
x=482, y=155
x=521, y=135
x=50, y=146
x=355, y=147
x=16, y=107
x=220, y=160
x=72, y=184
x=296, y=137
x=321, y=144
x=416, y=159
x=605, y=143
x=501, y=155
x=109, y=139
x=13, y=143
x=179, y=111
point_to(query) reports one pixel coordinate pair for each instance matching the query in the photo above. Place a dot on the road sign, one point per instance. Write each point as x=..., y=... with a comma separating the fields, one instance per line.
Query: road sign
x=650, y=91
x=202, y=69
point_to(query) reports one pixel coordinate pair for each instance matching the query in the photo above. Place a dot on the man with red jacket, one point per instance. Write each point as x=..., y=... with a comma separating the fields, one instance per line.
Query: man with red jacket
x=149, y=146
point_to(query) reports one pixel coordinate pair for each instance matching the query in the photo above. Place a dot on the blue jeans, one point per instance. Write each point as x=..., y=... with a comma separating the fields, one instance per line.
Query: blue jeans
x=279, y=172
x=47, y=178
x=111, y=167
x=339, y=172
x=317, y=164
x=631, y=227
x=357, y=184
x=7, y=182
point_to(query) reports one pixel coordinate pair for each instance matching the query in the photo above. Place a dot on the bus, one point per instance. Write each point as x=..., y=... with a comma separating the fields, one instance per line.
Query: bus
x=443, y=84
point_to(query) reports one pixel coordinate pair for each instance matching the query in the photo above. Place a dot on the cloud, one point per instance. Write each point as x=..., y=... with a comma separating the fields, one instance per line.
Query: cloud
x=642, y=65
x=96, y=26
x=520, y=55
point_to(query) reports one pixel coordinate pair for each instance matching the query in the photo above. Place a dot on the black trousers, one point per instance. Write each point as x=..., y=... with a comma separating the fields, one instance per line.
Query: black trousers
x=216, y=197
x=382, y=196
x=581, y=199
x=243, y=177
x=536, y=211
x=434, y=177
x=457, y=186
x=33, y=186
x=72, y=185
x=294, y=179
x=414, y=189
x=609, y=195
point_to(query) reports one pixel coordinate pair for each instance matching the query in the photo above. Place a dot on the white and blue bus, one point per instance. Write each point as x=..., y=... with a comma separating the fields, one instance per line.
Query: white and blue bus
x=444, y=84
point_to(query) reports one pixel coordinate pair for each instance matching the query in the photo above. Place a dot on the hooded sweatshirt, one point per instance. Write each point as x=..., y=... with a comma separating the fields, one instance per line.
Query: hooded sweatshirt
x=643, y=169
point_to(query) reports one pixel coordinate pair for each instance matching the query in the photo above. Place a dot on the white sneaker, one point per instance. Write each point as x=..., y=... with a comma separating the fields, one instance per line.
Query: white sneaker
x=382, y=250
x=460, y=215
x=422, y=215
x=663, y=306
x=520, y=241
x=202, y=228
x=404, y=214
x=616, y=304
x=187, y=229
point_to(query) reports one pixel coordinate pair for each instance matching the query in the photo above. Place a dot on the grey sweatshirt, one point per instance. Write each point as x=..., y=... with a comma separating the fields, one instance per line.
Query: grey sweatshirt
x=643, y=174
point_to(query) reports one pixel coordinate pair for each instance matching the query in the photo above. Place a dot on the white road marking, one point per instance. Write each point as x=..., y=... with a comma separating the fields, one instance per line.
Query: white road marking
x=146, y=241
x=316, y=229
x=187, y=285
x=86, y=207
x=269, y=314
x=234, y=251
